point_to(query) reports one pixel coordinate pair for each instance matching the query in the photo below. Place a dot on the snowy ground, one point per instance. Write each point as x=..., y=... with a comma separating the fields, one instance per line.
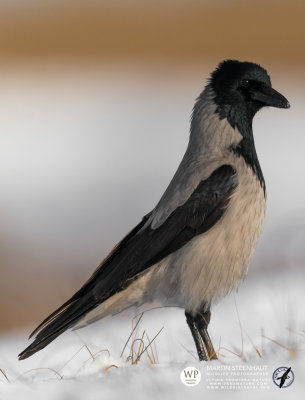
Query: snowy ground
x=271, y=314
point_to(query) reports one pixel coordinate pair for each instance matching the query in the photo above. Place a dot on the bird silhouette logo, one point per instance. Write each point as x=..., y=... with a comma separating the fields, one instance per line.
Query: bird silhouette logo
x=283, y=377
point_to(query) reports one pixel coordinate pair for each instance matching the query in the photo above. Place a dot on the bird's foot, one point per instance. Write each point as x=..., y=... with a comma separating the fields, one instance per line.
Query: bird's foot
x=198, y=325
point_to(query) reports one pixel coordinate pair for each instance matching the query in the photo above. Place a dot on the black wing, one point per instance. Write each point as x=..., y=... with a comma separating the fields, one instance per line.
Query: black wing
x=139, y=250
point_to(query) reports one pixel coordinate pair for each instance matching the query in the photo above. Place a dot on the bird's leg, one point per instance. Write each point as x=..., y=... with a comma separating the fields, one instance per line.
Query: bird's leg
x=196, y=336
x=201, y=320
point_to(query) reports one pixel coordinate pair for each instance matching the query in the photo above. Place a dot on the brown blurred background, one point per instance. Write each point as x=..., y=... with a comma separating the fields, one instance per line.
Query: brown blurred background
x=179, y=32
x=95, y=101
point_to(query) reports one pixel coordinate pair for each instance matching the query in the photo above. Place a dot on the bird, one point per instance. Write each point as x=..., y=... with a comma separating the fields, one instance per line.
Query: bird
x=196, y=244
x=284, y=377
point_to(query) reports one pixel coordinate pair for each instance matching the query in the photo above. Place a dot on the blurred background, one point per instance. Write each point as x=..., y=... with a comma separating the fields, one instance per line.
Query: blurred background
x=95, y=100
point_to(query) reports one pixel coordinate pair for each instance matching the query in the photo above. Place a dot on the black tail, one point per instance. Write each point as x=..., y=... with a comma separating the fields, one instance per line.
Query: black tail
x=85, y=299
x=58, y=322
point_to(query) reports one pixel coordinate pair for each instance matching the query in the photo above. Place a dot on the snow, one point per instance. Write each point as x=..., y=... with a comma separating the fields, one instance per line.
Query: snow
x=264, y=316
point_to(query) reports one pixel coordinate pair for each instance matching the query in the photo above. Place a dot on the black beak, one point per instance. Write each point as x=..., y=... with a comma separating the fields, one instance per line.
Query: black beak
x=270, y=97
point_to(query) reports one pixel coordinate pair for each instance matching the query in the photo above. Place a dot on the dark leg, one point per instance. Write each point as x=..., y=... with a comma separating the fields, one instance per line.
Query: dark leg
x=202, y=320
x=196, y=336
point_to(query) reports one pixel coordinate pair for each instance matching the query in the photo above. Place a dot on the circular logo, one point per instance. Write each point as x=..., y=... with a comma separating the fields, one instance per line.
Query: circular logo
x=283, y=377
x=190, y=376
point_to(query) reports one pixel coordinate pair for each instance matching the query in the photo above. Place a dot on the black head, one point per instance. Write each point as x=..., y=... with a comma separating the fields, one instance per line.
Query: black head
x=243, y=88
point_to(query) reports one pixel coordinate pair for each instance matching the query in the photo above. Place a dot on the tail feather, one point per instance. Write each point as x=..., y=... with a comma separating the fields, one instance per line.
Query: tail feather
x=51, y=317
x=38, y=345
x=59, y=321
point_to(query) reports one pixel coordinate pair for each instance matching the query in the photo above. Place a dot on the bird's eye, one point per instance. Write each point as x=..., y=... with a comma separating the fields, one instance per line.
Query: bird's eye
x=245, y=82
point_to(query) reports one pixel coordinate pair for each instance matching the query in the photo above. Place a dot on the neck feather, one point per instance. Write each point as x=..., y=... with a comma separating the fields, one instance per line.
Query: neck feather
x=238, y=117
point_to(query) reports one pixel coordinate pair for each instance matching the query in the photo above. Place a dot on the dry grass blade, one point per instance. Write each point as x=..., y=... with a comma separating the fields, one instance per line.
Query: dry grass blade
x=99, y=352
x=132, y=340
x=133, y=329
x=4, y=374
x=40, y=368
x=218, y=352
x=70, y=359
x=152, y=358
x=111, y=366
x=212, y=355
x=262, y=341
x=150, y=342
x=133, y=352
x=189, y=351
x=140, y=346
x=250, y=340
x=96, y=354
x=156, y=352
x=291, y=350
x=276, y=342
x=296, y=332
x=241, y=331
x=239, y=355
x=155, y=308
x=253, y=345
x=89, y=351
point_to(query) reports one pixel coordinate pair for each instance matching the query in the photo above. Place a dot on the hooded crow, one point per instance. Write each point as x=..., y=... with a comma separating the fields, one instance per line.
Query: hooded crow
x=195, y=246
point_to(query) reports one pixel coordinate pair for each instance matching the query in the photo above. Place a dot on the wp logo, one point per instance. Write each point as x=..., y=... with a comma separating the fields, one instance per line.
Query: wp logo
x=190, y=376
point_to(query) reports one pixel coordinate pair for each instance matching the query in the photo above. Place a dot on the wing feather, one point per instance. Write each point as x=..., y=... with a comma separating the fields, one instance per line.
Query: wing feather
x=139, y=250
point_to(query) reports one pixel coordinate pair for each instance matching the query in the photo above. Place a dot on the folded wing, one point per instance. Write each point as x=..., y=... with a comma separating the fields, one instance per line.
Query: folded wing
x=139, y=250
